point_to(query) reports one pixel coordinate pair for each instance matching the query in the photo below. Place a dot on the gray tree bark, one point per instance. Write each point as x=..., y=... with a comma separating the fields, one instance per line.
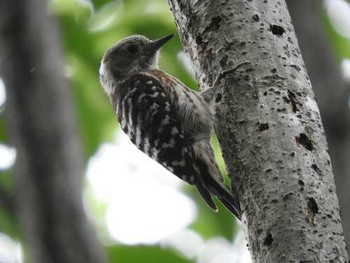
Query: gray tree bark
x=40, y=118
x=332, y=93
x=269, y=127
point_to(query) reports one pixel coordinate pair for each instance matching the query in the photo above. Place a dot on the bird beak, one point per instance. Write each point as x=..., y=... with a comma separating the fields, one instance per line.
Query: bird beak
x=155, y=45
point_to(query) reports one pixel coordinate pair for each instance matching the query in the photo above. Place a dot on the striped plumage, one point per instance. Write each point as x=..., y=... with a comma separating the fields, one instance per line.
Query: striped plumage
x=163, y=118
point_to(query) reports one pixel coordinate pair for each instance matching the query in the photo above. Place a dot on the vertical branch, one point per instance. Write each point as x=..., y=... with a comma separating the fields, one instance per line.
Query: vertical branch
x=332, y=93
x=41, y=125
x=269, y=127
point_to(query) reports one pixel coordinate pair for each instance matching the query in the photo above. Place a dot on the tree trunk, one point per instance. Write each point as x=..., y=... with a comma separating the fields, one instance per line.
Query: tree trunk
x=269, y=127
x=39, y=112
x=332, y=93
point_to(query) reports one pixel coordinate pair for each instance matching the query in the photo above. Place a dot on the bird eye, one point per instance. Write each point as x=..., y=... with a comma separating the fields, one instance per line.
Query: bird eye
x=132, y=49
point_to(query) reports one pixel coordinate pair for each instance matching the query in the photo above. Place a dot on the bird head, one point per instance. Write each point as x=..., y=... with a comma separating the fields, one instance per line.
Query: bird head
x=129, y=56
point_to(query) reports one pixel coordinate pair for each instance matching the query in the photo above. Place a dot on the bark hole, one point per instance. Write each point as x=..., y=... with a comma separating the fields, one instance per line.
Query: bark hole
x=256, y=18
x=297, y=68
x=215, y=23
x=268, y=240
x=223, y=61
x=304, y=141
x=268, y=170
x=277, y=30
x=287, y=196
x=301, y=182
x=316, y=169
x=312, y=209
x=218, y=98
x=199, y=40
x=292, y=100
x=263, y=126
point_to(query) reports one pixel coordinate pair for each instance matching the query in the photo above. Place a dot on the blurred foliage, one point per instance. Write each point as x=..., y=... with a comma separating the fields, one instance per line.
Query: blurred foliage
x=8, y=222
x=98, y=210
x=212, y=224
x=2, y=128
x=137, y=254
x=340, y=43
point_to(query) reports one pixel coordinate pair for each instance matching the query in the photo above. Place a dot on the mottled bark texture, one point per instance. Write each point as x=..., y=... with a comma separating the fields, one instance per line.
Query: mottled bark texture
x=332, y=93
x=269, y=127
x=41, y=124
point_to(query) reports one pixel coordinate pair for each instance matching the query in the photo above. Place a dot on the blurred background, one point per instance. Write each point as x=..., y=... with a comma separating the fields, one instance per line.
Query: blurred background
x=141, y=212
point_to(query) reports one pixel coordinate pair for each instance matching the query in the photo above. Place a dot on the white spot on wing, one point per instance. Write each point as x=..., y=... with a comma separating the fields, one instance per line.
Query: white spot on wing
x=155, y=153
x=138, y=131
x=163, y=123
x=174, y=131
x=123, y=123
x=147, y=145
x=139, y=99
x=154, y=95
x=154, y=106
x=156, y=142
x=130, y=112
x=123, y=118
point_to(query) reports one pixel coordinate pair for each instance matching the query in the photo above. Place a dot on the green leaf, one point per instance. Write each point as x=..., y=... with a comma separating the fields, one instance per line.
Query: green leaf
x=142, y=254
x=96, y=119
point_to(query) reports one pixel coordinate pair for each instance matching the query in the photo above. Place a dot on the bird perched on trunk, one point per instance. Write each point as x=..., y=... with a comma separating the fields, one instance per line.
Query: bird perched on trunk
x=165, y=119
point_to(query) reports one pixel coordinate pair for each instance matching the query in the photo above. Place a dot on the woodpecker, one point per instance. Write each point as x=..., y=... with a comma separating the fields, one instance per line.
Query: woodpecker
x=163, y=117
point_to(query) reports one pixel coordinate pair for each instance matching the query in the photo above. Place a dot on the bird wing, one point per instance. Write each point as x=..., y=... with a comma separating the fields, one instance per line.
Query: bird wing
x=194, y=112
x=147, y=116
